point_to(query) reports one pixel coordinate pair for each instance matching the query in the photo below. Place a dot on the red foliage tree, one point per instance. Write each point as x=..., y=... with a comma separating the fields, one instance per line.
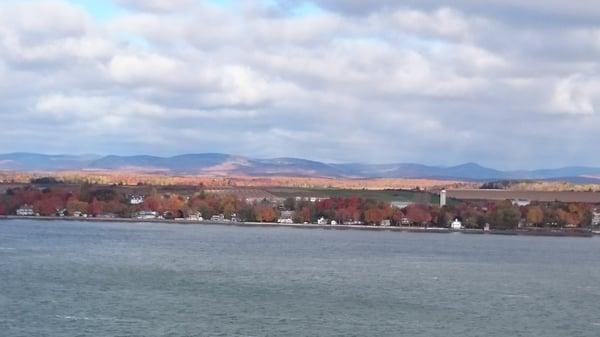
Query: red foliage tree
x=418, y=214
x=374, y=216
x=304, y=215
x=95, y=207
x=265, y=214
x=49, y=205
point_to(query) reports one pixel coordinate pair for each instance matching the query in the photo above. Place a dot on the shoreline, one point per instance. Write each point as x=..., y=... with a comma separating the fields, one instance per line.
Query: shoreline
x=436, y=230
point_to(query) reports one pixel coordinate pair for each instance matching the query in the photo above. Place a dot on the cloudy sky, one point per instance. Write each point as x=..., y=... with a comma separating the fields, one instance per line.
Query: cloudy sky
x=505, y=83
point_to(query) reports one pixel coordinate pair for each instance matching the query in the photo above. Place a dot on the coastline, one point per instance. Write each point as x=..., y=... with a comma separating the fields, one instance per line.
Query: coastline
x=436, y=230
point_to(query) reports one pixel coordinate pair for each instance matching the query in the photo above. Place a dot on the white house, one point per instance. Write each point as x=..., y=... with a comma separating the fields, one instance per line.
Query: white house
x=195, y=217
x=386, y=223
x=521, y=202
x=136, y=200
x=286, y=217
x=456, y=224
x=596, y=218
x=146, y=215
x=25, y=210
x=333, y=222
x=401, y=204
x=322, y=221
x=218, y=218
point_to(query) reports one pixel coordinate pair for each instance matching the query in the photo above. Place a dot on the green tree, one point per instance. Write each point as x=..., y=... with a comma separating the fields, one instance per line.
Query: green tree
x=505, y=216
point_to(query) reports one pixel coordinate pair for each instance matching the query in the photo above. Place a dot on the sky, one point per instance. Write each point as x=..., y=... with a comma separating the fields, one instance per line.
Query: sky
x=509, y=84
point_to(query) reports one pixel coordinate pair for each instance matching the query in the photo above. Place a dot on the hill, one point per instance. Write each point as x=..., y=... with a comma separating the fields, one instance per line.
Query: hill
x=218, y=164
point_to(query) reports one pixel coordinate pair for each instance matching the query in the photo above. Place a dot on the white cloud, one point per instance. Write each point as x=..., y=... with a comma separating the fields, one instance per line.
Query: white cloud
x=143, y=70
x=576, y=95
x=156, y=5
x=361, y=80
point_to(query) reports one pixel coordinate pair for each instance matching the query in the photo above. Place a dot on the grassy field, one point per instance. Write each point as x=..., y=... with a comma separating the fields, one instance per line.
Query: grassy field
x=382, y=195
x=387, y=195
x=545, y=196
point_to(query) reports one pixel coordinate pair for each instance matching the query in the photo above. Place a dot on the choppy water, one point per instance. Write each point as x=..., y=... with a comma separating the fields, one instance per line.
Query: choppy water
x=89, y=279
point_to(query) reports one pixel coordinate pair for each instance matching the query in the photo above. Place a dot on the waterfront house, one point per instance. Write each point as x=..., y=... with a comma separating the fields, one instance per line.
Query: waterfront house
x=286, y=217
x=107, y=216
x=596, y=217
x=333, y=222
x=385, y=223
x=218, y=218
x=25, y=210
x=456, y=224
x=195, y=217
x=322, y=221
x=146, y=215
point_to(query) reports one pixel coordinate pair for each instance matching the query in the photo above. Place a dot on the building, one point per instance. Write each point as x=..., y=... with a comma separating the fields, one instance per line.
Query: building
x=401, y=204
x=146, y=215
x=136, y=200
x=333, y=222
x=287, y=217
x=442, y=198
x=26, y=210
x=195, y=217
x=322, y=221
x=521, y=202
x=596, y=218
x=456, y=224
x=218, y=218
x=386, y=223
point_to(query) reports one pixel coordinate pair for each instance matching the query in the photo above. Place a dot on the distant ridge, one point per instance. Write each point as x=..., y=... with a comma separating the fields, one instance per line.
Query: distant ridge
x=225, y=164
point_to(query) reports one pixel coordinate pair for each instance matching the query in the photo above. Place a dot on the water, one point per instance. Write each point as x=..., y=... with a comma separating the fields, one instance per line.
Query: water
x=119, y=279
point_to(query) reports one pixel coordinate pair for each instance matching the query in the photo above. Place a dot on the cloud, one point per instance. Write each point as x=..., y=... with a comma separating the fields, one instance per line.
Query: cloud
x=377, y=81
x=576, y=95
x=155, y=5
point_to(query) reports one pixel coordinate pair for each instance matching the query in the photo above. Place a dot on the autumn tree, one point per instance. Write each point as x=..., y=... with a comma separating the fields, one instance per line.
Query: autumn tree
x=418, y=214
x=535, y=215
x=374, y=216
x=505, y=216
x=75, y=205
x=305, y=214
x=265, y=214
x=95, y=208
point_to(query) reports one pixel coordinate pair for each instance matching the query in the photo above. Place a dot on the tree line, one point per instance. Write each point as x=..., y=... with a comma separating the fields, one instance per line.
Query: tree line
x=96, y=201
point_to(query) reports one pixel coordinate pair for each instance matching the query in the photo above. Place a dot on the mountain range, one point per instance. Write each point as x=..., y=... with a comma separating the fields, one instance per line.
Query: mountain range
x=224, y=164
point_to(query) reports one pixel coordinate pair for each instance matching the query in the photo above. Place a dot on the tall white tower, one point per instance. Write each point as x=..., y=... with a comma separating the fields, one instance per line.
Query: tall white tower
x=442, y=198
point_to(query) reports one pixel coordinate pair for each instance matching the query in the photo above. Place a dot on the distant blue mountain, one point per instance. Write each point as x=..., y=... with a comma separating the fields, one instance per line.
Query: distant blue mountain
x=224, y=164
x=22, y=161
